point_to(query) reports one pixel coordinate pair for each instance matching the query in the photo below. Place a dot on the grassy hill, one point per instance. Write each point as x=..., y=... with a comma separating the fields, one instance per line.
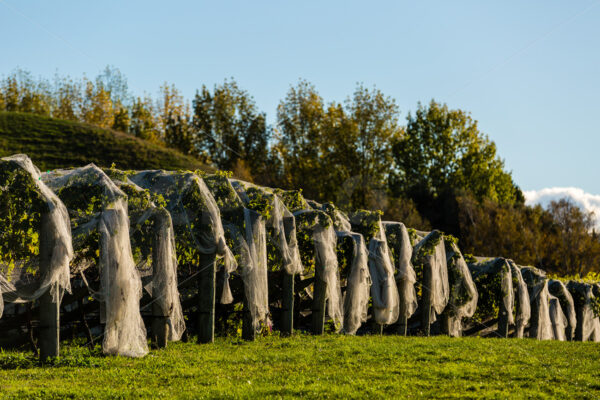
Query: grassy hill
x=53, y=143
x=329, y=366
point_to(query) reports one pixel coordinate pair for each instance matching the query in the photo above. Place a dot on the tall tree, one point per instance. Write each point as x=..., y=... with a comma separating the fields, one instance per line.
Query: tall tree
x=21, y=92
x=375, y=123
x=228, y=128
x=68, y=98
x=577, y=250
x=443, y=149
x=143, y=120
x=175, y=119
x=113, y=81
x=299, y=129
x=97, y=107
x=339, y=152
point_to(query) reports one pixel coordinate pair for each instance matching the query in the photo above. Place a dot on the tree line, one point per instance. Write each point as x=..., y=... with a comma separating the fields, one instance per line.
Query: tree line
x=434, y=169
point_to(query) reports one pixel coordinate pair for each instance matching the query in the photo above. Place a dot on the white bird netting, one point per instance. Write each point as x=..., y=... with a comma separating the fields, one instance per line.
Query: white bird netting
x=521, y=300
x=429, y=261
x=540, y=324
x=493, y=278
x=196, y=221
x=280, y=221
x=586, y=306
x=98, y=212
x=153, y=247
x=559, y=290
x=124, y=232
x=384, y=291
x=463, y=297
x=358, y=283
x=319, y=226
x=557, y=318
x=246, y=232
x=401, y=249
x=35, y=241
x=356, y=274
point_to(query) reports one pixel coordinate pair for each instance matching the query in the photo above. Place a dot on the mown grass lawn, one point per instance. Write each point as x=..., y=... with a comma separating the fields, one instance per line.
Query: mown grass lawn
x=331, y=366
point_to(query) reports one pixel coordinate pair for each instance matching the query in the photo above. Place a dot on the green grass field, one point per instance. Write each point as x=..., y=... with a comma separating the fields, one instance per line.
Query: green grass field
x=331, y=366
x=54, y=143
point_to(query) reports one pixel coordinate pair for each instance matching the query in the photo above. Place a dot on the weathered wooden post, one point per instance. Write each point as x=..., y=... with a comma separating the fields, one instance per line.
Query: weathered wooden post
x=160, y=327
x=426, y=299
x=206, y=298
x=402, y=320
x=248, y=332
x=503, y=322
x=318, y=303
x=49, y=304
x=160, y=321
x=287, y=304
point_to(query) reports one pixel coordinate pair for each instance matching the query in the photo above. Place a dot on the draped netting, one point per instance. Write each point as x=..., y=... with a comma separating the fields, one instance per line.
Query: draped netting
x=318, y=226
x=557, y=318
x=384, y=292
x=463, y=297
x=493, y=279
x=280, y=222
x=100, y=227
x=196, y=221
x=587, y=310
x=559, y=290
x=340, y=219
x=540, y=324
x=358, y=282
x=353, y=263
x=429, y=261
x=401, y=251
x=246, y=233
x=153, y=247
x=39, y=263
x=521, y=300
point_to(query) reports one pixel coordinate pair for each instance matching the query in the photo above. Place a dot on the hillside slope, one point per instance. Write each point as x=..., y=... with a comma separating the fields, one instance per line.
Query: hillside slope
x=54, y=143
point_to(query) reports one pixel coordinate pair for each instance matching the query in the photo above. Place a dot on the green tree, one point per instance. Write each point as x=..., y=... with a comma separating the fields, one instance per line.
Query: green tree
x=442, y=150
x=338, y=153
x=299, y=138
x=175, y=119
x=68, y=99
x=23, y=93
x=115, y=83
x=228, y=128
x=122, y=120
x=577, y=250
x=143, y=120
x=373, y=128
x=97, y=108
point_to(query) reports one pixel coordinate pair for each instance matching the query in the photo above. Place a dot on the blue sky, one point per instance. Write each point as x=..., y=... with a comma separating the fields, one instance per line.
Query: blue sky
x=529, y=72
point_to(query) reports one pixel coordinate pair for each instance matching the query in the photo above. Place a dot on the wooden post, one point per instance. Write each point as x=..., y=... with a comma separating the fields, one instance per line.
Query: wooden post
x=206, y=298
x=402, y=320
x=287, y=304
x=503, y=322
x=318, y=303
x=445, y=322
x=426, y=299
x=49, y=305
x=248, y=332
x=160, y=327
x=579, y=312
x=160, y=321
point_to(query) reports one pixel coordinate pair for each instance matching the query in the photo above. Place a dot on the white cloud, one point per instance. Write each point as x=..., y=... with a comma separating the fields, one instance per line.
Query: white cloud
x=586, y=201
